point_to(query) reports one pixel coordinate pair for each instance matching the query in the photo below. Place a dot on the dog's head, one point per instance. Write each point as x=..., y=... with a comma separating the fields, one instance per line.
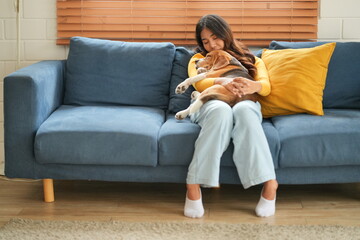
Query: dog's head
x=217, y=59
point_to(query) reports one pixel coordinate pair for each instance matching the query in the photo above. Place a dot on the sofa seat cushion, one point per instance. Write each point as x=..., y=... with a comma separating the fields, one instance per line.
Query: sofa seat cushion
x=102, y=72
x=273, y=139
x=319, y=141
x=177, y=141
x=104, y=135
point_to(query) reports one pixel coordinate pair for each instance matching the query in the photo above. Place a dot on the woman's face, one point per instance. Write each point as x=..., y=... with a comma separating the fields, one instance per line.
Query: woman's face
x=211, y=41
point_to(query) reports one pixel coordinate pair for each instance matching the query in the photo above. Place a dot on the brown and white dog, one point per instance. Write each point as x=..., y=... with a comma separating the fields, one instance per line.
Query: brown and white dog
x=216, y=64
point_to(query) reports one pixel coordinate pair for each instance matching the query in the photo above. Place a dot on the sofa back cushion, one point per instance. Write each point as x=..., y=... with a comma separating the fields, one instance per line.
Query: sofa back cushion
x=342, y=88
x=103, y=72
x=179, y=73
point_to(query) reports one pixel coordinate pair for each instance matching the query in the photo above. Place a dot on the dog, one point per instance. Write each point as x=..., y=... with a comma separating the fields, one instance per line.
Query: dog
x=216, y=64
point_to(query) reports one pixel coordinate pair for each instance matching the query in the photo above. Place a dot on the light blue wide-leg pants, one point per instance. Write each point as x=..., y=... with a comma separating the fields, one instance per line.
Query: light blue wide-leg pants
x=219, y=123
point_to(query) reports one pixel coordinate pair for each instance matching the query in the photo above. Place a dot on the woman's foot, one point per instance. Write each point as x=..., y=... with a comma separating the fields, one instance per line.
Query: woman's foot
x=269, y=189
x=266, y=204
x=193, y=202
x=193, y=191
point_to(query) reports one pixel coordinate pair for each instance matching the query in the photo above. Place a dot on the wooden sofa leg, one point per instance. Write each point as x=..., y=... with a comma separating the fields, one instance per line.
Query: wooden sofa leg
x=48, y=190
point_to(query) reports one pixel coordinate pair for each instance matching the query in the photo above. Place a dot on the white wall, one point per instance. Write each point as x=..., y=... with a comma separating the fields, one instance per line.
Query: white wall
x=338, y=22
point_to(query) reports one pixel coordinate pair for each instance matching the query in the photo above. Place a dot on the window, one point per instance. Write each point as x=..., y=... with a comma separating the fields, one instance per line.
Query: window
x=255, y=22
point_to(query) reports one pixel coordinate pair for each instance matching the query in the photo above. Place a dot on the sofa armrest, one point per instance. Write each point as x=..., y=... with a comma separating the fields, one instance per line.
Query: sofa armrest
x=31, y=94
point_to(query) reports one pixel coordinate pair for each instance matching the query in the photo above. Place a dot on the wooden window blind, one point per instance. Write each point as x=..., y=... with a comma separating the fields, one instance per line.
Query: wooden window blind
x=255, y=22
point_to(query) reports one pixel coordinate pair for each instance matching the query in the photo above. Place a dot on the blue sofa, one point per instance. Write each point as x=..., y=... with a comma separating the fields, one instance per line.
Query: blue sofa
x=107, y=113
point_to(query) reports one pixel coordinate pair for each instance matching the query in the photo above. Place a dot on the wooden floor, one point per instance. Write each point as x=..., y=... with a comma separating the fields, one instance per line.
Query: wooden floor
x=104, y=201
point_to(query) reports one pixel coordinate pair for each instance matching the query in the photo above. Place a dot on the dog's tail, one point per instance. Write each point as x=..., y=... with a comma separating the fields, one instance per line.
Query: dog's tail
x=208, y=97
x=201, y=100
x=229, y=99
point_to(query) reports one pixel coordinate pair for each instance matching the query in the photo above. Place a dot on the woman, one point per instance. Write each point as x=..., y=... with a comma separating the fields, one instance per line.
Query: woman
x=219, y=123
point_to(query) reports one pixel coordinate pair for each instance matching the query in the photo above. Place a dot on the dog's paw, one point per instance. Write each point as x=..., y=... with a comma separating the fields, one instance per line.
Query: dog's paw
x=181, y=115
x=194, y=95
x=201, y=70
x=181, y=88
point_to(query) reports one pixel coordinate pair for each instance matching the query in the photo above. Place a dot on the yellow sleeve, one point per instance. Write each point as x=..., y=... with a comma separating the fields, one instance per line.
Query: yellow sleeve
x=263, y=77
x=203, y=84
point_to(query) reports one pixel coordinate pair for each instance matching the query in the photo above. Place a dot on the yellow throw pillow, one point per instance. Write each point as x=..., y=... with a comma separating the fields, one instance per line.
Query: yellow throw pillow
x=297, y=78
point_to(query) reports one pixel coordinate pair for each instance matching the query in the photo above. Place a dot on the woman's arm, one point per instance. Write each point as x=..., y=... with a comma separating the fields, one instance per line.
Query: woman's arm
x=262, y=77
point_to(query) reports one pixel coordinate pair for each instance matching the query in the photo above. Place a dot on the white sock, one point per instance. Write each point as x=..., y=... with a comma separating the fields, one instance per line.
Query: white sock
x=265, y=208
x=193, y=208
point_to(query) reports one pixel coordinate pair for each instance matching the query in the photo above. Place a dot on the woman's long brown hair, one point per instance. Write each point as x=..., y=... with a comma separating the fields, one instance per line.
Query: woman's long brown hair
x=218, y=26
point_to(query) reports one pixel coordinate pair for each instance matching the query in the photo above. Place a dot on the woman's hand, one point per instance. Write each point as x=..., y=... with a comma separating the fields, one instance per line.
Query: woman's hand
x=240, y=86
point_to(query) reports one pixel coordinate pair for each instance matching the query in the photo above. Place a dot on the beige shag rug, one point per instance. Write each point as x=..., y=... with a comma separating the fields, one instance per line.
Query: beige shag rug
x=25, y=229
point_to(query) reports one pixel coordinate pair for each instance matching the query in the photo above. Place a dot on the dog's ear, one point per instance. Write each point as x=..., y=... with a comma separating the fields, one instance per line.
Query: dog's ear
x=221, y=61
